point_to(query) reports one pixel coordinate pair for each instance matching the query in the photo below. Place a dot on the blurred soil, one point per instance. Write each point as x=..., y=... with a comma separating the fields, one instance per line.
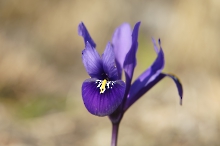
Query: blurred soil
x=41, y=72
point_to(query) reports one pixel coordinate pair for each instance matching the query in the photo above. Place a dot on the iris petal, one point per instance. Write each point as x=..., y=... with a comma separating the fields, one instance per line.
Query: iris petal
x=132, y=98
x=92, y=61
x=130, y=59
x=146, y=77
x=82, y=31
x=141, y=92
x=121, y=41
x=178, y=85
x=102, y=104
x=108, y=59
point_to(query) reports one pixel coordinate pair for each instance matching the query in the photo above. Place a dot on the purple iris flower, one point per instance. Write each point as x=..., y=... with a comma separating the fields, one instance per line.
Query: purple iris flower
x=104, y=93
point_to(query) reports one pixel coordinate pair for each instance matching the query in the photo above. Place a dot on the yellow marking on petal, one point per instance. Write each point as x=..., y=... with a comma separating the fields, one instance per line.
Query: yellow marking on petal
x=102, y=88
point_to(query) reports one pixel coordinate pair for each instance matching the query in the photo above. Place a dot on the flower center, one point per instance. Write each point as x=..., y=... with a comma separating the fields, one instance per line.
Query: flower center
x=104, y=84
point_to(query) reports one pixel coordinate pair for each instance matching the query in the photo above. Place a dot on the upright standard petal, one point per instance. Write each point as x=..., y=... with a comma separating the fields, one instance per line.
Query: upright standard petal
x=108, y=59
x=130, y=59
x=82, y=31
x=146, y=77
x=121, y=41
x=92, y=62
x=102, y=102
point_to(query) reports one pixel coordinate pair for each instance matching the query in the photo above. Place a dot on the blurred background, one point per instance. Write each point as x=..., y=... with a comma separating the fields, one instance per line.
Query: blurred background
x=41, y=72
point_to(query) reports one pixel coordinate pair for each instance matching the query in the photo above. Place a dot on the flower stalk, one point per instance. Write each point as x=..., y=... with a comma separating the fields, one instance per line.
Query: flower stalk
x=115, y=127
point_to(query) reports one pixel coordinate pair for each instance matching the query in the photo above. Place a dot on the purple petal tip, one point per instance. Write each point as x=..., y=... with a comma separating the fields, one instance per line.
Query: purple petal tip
x=82, y=31
x=80, y=28
x=159, y=41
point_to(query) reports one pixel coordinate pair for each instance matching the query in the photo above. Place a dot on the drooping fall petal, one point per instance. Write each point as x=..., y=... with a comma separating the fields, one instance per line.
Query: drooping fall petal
x=105, y=103
x=178, y=85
